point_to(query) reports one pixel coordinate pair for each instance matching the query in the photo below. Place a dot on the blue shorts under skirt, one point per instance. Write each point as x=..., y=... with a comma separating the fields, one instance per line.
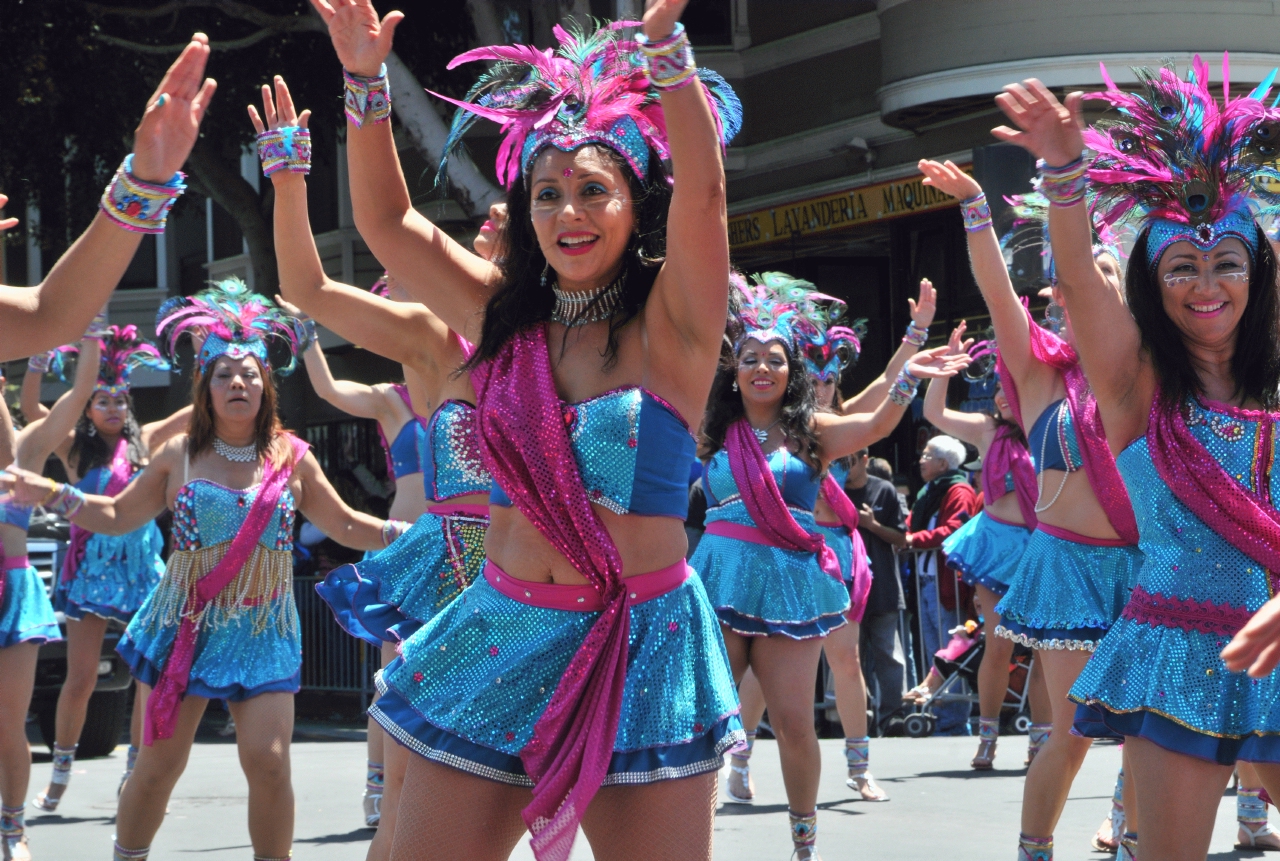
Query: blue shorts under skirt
x=1097, y=721
x=470, y=685
x=987, y=551
x=26, y=616
x=1066, y=594
x=390, y=594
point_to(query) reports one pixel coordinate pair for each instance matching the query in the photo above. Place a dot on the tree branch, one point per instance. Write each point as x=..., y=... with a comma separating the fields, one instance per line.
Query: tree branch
x=270, y=24
x=227, y=188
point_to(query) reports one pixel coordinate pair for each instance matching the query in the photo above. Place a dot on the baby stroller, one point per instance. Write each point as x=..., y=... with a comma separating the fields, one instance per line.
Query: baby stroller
x=957, y=663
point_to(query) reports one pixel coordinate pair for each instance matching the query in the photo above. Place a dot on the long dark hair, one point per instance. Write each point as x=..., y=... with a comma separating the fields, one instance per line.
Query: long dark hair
x=799, y=402
x=523, y=300
x=1255, y=365
x=88, y=448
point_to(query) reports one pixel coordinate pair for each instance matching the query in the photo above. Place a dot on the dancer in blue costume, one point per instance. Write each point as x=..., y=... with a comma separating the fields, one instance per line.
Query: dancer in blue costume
x=775, y=585
x=26, y=621
x=599, y=327
x=93, y=431
x=222, y=623
x=986, y=550
x=1082, y=561
x=391, y=594
x=825, y=359
x=1186, y=383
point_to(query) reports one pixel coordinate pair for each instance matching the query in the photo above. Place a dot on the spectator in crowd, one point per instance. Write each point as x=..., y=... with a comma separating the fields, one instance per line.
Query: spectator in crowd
x=880, y=468
x=882, y=523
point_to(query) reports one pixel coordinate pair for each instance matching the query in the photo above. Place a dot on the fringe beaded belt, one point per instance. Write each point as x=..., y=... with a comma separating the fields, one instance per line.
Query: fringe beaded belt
x=263, y=589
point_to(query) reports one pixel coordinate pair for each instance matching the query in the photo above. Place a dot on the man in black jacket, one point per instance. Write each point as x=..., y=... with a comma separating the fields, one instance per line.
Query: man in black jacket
x=882, y=523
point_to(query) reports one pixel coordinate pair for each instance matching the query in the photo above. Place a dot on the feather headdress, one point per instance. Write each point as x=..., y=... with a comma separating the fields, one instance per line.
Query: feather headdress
x=1182, y=163
x=123, y=350
x=774, y=306
x=235, y=321
x=591, y=89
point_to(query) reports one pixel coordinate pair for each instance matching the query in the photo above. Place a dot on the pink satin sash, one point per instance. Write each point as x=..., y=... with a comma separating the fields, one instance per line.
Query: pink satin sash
x=1246, y=519
x=121, y=472
x=584, y=599
x=166, y=696
x=458, y=509
x=860, y=586
x=1005, y=456
x=1077, y=538
x=1099, y=463
x=12, y=563
x=524, y=443
x=764, y=502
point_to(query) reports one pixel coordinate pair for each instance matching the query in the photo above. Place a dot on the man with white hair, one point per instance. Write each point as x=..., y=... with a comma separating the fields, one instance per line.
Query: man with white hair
x=942, y=506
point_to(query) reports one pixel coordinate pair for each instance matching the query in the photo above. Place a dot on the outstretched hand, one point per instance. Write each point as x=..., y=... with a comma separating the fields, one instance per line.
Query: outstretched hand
x=23, y=487
x=957, y=344
x=291, y=309
x=923, y=309
x=171, y=122
x=361, y=41
x=1256, y=647
x=6, y=223
x=279, y=112
x=1049, y=129
x=937, y=363
x=947, y=177
x=660, y=17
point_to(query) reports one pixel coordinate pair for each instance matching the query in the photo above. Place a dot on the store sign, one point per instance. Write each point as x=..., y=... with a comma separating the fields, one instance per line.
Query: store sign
x=837, y=211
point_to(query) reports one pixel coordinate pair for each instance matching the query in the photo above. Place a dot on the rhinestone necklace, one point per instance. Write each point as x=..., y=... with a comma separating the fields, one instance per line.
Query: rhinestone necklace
x=236, y=453
x=577, y=309
x=762, y=434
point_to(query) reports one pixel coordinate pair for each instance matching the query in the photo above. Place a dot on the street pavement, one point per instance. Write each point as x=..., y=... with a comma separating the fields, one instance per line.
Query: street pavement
x=938, y=807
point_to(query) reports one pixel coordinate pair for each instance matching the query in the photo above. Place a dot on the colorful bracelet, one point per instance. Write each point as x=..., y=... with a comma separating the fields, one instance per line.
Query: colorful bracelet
x=309, y=336
x=367, y=100
x=1064, y=186
x=40, y=363
x=64, y=499
x=287, y=146
x=98, y=326
x=669, y=61
x=391, y=530
x=916, y=336
x=904, y=388
x=136, y=205
x=976, y=212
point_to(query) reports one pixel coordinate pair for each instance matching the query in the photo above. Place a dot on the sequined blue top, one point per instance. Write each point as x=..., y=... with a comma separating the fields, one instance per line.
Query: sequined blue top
x=633, y=451
x=839, y=472
x=1053, y=441
x=15, y=515
x=796, y=480
x=403, y=451
x=206, y=513
x=450, y=452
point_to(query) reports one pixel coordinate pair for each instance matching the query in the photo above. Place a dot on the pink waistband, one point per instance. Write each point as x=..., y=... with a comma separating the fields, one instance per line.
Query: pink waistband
x=1024, y=526
x=1076, y=538
x=13, y=562
x=557, y=596
x=835, y=524
x=726, y=529
x=458, y=509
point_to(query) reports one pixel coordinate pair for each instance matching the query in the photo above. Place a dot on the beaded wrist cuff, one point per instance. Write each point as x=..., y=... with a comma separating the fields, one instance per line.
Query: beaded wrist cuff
x=367, y=100
x=976, y=212
x=39, y=363
x=136, y=205
x=65, y=500
x=98, y=326
x=391, y=530
x=1064, y=186
x=669, y=61
x=904, y=388
x=287, y=146
x=309, y=334
x=915, y=336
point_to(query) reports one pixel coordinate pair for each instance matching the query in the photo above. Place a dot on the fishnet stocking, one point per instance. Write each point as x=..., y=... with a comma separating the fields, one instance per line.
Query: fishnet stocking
x=447, y=813
x=666, y=821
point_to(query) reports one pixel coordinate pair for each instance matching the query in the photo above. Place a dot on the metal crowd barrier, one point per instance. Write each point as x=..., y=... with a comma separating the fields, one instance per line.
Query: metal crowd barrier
x=332, y=659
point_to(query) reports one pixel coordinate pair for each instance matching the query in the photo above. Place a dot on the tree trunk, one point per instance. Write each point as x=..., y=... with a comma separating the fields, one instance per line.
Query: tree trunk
x=216, y=178
x=429, y=131
x=484, y=17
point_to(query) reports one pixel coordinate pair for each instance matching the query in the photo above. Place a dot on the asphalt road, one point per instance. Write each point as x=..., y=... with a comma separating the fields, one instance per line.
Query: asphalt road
x=938, y=807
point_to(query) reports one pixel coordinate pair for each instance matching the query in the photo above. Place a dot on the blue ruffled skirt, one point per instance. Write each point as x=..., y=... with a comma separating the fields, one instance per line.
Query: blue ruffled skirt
x=116, y=575
x=249, y=641
x=987, y=551
x=392, y=593
x=759, y=590
x=26, y=616
x=1066, y=594
x=469, y=687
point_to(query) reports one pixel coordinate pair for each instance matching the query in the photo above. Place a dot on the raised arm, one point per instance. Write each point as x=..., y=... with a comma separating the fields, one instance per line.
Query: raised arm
x=355, y=399
x=8, y=437
x=58, y=309
x=155, y=434
x=973, y=428
x=321, y=505
x=43, y=437
x=842, y=435
x=32, y=380
x=430, y=264
x=1106, y=336
x=922, y=311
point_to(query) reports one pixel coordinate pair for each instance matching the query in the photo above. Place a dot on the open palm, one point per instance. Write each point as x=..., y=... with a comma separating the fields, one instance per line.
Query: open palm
x=361, y=40
x=1046, y=127
x=171, y=123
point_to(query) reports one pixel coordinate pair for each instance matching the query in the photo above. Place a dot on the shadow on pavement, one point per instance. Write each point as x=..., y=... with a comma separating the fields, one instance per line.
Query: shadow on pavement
x=359, y=835
x=750, y=809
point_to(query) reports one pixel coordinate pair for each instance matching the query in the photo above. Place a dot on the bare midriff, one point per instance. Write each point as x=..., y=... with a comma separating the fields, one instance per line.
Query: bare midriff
x=15, y=540
x=644, y=543
x=1077, y=508
x=1006, y=508
x=411, y=498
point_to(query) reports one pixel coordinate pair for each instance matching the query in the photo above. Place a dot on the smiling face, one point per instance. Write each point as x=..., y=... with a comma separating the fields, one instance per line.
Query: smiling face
x=763, y=372
x=108, y=412
x=1002, y=404
x=235, y=388
x=583, y=215
x=1205, y=292
x=486, y=241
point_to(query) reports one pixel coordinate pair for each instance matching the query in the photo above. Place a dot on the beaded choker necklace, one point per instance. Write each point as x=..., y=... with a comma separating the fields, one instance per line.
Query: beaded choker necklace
x=580, y=309
x=236, y=453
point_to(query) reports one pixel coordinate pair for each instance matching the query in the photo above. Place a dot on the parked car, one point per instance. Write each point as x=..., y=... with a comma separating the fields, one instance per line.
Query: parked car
x=108, y=713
